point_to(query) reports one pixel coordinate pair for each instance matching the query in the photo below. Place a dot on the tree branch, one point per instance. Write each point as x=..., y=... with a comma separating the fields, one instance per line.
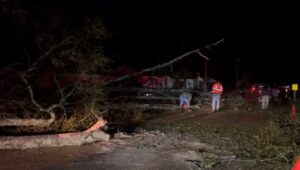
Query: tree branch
x=202, y=55
x=47, y=110
x=72, y=91
x=63, y=99
x=34, y=65
x=167, y=63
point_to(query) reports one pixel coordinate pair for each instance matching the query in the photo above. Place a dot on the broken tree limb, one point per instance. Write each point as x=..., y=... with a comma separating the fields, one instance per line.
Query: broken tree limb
x=62, y=95
x=202, y=55
x=91, y=135
x=26, y=122
x=48, y=110
x=33, y=122
x=34, y=65
x=214, y=44
x=29, y=142
x=167, y=63
x=63, y=99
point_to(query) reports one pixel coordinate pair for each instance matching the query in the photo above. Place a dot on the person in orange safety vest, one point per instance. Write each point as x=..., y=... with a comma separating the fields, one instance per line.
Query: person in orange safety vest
x=217, y=90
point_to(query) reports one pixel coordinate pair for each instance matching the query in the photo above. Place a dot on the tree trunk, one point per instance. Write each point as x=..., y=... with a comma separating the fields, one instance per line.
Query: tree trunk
x=39, y=141
x=26, y=122
x=91, y=135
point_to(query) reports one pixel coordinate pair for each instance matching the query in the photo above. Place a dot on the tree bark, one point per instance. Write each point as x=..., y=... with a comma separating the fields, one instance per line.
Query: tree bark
x=91, y=135
x=40, y=141
x=26, y=122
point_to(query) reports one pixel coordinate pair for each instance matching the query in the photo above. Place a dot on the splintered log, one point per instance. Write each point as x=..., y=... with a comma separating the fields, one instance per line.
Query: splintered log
x=38, y=141
x=26, y=122
x=91, y=135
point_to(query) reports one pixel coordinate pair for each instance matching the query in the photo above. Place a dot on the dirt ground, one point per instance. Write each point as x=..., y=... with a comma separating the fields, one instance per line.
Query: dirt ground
x=148, y=148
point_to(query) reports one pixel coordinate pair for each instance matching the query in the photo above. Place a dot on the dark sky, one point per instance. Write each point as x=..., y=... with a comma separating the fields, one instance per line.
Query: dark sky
x=145, y=33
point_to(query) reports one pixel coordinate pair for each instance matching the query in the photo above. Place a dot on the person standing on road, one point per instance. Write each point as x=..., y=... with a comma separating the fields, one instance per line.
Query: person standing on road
x=217, y=90
x=265, y=97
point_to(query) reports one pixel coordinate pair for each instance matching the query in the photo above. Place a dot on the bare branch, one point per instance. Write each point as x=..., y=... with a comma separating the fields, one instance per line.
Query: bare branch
x=34, y=65
x=202, y=55
x=56, y=46
x=152, y=68
x=214, y=44
x=72, y=91
x=54, y=106
x=62, y=99
x=31, y=93
x=167, y=63
x=62, y=95
x=47, y=110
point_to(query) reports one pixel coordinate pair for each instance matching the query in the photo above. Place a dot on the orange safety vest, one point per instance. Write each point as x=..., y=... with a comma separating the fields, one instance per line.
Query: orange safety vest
x=217, y=88
x=296, y=165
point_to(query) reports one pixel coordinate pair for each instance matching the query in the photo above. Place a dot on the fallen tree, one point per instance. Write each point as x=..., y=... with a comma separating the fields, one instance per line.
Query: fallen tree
x=60, y=58
x=93, y=134
x=26, y=122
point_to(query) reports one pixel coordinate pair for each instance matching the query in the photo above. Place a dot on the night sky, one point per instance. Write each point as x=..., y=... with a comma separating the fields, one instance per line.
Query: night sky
x=264, y=37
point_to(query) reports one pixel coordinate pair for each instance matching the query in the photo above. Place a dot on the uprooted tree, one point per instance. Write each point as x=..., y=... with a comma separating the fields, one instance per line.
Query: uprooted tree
x=59, y=87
